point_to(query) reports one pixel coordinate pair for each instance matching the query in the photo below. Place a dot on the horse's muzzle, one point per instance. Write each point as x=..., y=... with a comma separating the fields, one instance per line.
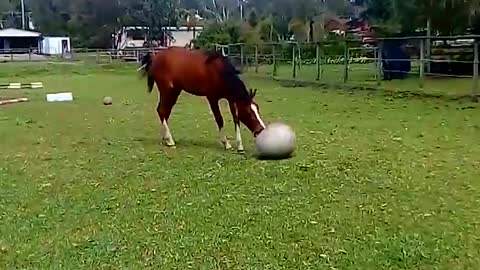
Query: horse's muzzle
x=257, y=131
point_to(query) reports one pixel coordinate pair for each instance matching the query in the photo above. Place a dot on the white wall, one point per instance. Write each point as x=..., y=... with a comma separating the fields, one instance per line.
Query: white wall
x=53, y=45
x=182, y=37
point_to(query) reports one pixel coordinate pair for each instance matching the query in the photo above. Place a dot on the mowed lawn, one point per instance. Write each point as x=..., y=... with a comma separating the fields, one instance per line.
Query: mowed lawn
x=376, y=183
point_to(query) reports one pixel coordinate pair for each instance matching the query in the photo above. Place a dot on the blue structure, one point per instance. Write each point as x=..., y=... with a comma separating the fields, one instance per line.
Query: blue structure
x=396, y=62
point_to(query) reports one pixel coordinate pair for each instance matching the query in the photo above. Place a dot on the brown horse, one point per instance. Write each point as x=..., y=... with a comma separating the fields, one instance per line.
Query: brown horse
x=206, y=74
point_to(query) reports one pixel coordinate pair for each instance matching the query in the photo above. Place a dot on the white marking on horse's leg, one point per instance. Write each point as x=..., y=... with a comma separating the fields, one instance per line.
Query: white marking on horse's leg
x=167, y=136
x=238, y=138
x=223, y=138
x=257, y=115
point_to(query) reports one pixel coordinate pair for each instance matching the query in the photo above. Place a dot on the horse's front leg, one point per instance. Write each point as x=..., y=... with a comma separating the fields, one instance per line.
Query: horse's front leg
x=219, y=119
x=238, y=135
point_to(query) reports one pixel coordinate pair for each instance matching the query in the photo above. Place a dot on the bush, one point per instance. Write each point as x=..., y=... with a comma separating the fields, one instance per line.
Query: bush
x=218, y=33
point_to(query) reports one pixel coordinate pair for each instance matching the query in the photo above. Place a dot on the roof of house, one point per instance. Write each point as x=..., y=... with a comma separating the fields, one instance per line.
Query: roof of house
x=12, y=32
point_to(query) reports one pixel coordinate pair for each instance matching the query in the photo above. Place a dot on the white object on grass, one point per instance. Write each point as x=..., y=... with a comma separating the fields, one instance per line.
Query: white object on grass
x=32, y=85
x=13, y=100
x=59, y=97
x=107, y=101
x=276, y=141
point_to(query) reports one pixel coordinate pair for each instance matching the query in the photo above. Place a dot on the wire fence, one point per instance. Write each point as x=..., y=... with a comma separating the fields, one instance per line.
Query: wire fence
x=439, y=66
x=89, y=55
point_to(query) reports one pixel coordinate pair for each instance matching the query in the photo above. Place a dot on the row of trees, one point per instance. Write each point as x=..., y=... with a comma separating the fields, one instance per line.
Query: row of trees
x=445, y=17
x=278, y=19
x=91, y=22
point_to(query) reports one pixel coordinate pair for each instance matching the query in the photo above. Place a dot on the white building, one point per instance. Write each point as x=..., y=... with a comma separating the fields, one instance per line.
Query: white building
x=55, y=45
x=182, y=36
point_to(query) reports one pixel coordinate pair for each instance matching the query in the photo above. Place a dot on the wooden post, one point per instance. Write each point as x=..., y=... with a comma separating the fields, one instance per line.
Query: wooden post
x=318, y=61
x=30, y=54
x=11, y=55
x=242, y=55
x=379, y=63
x=422, y=63
x=274, y=53
x=375, y=51
x=475, y=72
x=256, y=58
x=299, y=62
x=428, y=45
x=345, y=63
x=294, y=64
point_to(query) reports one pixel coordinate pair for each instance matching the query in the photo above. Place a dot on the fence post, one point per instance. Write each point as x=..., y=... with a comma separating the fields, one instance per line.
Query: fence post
x=98, y=56
x=256, y=58
x=30, y=54
x=375, y=51
x=299, y=48
x=422, y=63
x=274, y=60
x=475, y=72
x=379, y=62
x=345, y=62
x=318, y=61
x=294, y=64
x=11, y=55
x=242, y=55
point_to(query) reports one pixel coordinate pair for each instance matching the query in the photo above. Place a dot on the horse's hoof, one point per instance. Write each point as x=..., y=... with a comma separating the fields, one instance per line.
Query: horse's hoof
x=228, y=146
x=169, y=143
x=241, y=150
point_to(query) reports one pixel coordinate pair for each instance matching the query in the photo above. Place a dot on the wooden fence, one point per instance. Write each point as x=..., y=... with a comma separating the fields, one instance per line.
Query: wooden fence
x=430, y=60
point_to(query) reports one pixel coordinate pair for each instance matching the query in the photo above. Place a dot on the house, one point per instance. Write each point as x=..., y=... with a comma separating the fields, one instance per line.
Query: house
x=131, y=37
x=182, y=36
x=336, y=24
x=11, y=39
x=363, y=31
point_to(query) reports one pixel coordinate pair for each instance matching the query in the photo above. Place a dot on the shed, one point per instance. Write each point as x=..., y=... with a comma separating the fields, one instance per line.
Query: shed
x=182, y=36
x=55, y=45
x=12, y=38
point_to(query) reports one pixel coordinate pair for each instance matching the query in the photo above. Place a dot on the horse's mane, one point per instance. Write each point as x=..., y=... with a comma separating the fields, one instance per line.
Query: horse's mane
x=230, y=75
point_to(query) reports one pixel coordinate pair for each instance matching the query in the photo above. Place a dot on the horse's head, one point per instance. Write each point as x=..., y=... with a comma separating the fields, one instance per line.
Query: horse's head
x=249, y=114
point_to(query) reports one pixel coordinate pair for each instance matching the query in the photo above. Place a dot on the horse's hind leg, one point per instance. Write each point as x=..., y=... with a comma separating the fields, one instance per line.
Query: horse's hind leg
x=238, y=135
x=219, y=119
x=168, y=98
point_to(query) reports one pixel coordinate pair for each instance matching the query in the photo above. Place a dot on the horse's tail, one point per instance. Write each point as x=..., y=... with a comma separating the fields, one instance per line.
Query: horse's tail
x=144, y=69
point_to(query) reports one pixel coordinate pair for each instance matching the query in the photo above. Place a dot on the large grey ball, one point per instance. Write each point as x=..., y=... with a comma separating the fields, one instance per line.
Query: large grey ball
x=276, y=141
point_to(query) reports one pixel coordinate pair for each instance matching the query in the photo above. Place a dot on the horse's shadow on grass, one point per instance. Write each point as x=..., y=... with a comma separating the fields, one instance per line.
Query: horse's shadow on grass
x=211, y=145
x=181, y=142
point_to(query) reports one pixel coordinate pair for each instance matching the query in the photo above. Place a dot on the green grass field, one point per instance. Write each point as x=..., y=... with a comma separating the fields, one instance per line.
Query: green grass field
x=377, y=182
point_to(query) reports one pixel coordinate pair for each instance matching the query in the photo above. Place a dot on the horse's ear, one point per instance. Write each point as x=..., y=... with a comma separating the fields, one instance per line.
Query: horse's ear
x=253, y=92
